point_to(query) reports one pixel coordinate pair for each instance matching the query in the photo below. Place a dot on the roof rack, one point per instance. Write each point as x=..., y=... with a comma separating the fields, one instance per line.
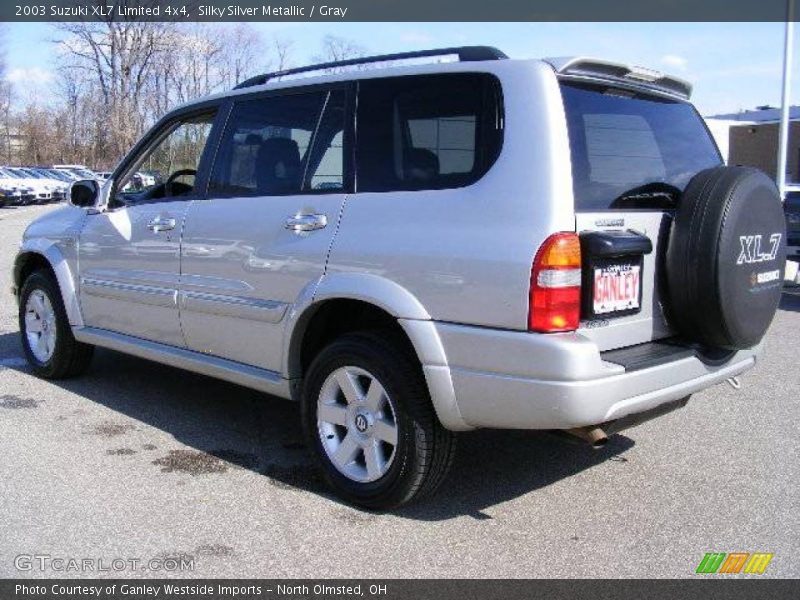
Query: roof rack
x=464, y=53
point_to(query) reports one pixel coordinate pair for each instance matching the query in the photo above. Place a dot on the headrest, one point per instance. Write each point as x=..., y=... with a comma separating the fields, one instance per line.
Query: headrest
x=278, y=166
x=420, y=164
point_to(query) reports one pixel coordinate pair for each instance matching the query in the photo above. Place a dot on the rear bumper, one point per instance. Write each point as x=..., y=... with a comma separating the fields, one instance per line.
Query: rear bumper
x=517, y=380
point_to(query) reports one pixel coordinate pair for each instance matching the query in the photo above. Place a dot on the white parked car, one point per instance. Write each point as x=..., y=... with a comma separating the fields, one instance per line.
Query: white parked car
x=57, y=187
x=41, y=190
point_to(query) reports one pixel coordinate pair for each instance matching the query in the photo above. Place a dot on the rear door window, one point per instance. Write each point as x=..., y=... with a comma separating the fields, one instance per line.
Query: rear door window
x=285, y=144
x=631, y=150
x=427, y=132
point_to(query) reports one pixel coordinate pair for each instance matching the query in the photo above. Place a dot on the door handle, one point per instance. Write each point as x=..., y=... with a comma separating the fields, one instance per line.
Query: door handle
x=299, y=223
x=161, y=224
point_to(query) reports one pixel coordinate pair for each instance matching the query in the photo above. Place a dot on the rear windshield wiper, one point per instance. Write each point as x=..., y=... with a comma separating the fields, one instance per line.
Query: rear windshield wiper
x=657, y=194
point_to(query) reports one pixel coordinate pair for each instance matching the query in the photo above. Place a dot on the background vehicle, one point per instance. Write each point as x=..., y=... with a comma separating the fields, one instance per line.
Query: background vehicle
x=791, y=207
x=56, y=186
x=42, y=192
x=419, y=250
x=77, y=172
x=15, y=191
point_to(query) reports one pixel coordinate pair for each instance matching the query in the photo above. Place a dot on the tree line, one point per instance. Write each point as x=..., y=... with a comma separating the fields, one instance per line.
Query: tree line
x=114, y=79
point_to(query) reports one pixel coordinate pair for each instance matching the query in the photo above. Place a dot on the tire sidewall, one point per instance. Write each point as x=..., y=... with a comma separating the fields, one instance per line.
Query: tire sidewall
x=712, y=298
x=393, y=487
x=46, y=284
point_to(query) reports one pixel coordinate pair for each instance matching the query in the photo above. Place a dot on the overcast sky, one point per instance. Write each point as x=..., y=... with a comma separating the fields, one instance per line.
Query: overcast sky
x=733, y=66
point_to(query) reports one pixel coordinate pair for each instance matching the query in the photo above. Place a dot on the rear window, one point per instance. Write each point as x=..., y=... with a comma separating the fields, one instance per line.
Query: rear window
x=427, y=132
x=633, y=151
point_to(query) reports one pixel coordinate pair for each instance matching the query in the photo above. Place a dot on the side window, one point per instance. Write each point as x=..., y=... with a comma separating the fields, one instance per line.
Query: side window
x=168, y=168
x=427, y=132
x=278, y=145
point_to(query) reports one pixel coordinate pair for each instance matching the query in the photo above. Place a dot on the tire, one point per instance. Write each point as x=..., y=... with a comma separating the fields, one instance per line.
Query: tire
x=424, y=450
x=63, y=356
x=725, y=258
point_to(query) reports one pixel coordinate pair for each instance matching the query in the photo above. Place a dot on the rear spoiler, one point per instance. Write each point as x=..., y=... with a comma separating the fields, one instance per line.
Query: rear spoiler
x=611, y=72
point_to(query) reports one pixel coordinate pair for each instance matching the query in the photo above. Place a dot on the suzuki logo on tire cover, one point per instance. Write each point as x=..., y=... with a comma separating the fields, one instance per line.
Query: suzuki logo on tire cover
x=751, y=249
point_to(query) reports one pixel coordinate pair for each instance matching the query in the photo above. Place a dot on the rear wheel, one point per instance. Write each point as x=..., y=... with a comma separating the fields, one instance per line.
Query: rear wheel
x=370, y=423
x=47, y=338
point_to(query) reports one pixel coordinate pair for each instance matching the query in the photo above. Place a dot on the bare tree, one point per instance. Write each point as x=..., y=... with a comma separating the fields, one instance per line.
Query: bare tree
x=6, y=103
x=117, y=56
x=116, y=78
x=336, y=48
x=242, y=54
x=281, y=48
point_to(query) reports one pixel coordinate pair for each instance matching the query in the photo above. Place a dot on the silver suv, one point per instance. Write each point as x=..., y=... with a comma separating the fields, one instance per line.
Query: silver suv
x=416, y=250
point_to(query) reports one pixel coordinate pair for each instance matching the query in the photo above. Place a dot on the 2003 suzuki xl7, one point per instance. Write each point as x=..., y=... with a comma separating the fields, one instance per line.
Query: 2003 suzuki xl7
x=412, y=251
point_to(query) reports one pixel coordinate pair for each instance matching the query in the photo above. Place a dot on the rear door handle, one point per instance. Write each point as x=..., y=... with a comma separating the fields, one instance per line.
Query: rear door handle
x=300, y=223
x=161, y=224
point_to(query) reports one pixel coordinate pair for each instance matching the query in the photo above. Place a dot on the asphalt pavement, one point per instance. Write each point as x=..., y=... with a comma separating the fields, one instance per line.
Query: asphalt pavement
x=147, y=464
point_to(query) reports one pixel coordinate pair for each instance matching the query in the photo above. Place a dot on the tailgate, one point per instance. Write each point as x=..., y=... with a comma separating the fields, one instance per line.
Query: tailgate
x=632, y=155
x=611, y=330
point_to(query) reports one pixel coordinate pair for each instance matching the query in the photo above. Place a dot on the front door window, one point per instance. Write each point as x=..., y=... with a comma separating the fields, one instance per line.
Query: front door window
x=168, y=168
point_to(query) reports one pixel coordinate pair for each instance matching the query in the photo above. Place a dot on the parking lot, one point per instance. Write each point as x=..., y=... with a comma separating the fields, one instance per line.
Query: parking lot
x=138, y=461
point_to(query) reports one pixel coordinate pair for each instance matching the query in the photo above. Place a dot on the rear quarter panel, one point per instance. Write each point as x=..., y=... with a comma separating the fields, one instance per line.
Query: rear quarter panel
x=466, y=253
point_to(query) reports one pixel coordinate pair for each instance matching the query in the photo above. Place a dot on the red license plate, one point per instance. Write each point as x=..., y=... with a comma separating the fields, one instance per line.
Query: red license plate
x=617, y=288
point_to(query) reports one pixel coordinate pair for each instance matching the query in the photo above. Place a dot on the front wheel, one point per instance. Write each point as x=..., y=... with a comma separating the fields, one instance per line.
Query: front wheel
x=47, y=338
x=370, y=423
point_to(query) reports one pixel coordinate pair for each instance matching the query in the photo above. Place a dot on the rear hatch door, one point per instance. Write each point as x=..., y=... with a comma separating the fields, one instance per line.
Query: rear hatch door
x=633, y=154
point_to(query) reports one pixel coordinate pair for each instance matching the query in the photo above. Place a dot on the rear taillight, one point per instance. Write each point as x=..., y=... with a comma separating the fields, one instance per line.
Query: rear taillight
x=555, y=294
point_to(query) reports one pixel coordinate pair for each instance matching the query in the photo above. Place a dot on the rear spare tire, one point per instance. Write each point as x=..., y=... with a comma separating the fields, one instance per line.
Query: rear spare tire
x=725, y=258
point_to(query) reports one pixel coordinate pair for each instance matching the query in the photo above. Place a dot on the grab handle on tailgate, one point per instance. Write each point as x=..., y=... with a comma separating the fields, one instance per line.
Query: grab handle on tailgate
x=610, y=244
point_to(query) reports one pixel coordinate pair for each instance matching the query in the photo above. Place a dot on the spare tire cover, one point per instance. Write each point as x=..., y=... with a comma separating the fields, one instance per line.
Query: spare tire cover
x=725, y=258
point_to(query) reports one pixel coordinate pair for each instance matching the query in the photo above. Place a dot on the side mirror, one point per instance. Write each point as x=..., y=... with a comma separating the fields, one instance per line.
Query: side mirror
x=84, y=193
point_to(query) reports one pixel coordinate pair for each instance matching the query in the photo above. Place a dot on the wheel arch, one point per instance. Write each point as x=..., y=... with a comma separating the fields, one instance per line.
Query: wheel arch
x=351, y=301
x=38, y=254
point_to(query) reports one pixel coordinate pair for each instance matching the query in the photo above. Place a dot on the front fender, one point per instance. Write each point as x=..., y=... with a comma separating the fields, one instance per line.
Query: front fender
x=64, y=267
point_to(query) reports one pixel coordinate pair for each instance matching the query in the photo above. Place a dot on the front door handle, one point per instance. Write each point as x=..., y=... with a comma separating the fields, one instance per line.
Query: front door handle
x=300, y=223
x=161, y=224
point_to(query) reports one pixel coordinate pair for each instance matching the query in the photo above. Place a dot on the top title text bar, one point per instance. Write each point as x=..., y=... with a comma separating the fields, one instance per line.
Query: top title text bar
x=394, y=10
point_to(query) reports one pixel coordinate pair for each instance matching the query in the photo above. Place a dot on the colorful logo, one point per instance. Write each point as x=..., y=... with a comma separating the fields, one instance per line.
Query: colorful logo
x=733, y=562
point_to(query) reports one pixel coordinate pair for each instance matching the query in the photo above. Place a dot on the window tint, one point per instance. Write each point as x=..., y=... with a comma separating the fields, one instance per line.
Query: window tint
x=427, y=132
x=278, y=145
x=632, y=150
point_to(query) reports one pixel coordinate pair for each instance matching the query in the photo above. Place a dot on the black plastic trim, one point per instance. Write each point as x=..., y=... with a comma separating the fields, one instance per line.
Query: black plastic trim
x=464, y=53
x=613, y=244
x=653, y=354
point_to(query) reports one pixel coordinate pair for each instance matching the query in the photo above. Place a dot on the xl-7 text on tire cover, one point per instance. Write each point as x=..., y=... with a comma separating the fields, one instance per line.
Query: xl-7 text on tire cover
x=414, y=251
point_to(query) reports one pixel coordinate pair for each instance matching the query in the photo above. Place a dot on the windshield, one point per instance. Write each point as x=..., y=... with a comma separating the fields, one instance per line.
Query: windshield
x=631, y=150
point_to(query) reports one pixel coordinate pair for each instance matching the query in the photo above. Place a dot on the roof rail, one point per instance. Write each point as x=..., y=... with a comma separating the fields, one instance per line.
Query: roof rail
x=464, y=53
x=616, y=72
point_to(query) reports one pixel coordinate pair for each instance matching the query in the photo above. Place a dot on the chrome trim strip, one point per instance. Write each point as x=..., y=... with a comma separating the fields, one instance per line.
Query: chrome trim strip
x=263, y=380
x=238, y=307
x=130, y=292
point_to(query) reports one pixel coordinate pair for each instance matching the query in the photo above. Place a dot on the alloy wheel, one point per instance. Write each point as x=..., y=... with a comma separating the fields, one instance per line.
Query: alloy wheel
x=357, y=424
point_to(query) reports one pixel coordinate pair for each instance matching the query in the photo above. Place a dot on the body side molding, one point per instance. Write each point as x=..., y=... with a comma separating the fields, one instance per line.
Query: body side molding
x=245, y=375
